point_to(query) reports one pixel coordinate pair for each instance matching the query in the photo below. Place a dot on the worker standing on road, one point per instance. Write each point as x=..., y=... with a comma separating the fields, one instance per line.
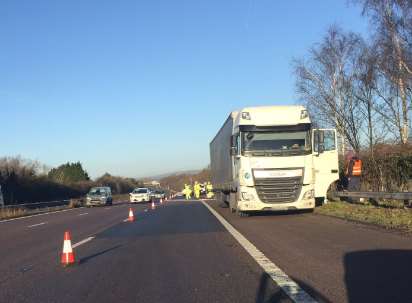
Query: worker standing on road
x=209, y=190
x=187, y=191
x=197, y=189
x=353, y=173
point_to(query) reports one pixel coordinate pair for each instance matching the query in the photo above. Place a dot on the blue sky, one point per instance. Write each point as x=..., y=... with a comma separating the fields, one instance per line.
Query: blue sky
x=139, y=88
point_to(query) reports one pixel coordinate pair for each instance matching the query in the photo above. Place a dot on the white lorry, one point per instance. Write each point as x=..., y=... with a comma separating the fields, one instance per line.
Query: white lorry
x=270, y=158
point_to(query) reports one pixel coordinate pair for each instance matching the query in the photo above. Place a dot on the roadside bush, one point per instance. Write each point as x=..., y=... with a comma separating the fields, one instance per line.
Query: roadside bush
x=74, y=203
x=388, y=169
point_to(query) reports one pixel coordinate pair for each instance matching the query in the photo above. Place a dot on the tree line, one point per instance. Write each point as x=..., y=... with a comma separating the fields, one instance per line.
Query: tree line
x=362, y=86
x=25, y=181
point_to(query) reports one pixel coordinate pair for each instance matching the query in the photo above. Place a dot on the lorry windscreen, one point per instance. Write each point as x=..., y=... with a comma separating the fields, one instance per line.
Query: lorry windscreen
x=294, y=142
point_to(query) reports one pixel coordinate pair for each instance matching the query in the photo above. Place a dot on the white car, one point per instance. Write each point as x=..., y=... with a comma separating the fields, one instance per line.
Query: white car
x=140, y=195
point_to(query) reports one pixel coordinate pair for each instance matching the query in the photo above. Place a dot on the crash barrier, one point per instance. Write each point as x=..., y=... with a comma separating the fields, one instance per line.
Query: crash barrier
x=402, y=196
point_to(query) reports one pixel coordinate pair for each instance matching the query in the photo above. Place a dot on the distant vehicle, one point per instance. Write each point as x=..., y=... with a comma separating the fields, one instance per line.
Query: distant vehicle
x=179, y=195
x=157, y=194
x=270, y=158
x=99, y=196
x=141, y=194
x=203, y=191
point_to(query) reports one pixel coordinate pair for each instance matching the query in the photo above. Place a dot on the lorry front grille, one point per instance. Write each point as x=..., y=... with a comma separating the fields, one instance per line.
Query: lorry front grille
x=278, y=190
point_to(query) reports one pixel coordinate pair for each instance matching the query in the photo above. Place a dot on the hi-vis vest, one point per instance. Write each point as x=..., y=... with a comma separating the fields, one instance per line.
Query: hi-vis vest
x=357, y=168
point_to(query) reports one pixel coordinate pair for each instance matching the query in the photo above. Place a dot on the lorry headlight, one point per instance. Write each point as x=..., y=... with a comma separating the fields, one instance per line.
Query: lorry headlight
x=310, y=194
x=247, y=197
x=247, y=176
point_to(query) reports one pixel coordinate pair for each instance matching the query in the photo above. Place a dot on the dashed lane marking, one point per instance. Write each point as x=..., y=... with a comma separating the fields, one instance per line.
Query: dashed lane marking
x=83, y=214
x=290, y=287
x=82, y=242
x=38, y=224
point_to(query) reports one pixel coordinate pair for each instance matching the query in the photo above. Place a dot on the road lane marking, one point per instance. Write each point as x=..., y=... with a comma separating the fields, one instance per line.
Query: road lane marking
x=38, y=224
x=83, y=214
x=290, y=287
x=82, y=242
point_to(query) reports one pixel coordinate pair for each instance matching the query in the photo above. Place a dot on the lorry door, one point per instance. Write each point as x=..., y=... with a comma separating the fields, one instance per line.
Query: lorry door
x=325, y=160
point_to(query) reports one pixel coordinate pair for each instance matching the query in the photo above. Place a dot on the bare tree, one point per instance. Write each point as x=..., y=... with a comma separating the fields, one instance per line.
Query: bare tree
x=392, y=20
x=325, y=82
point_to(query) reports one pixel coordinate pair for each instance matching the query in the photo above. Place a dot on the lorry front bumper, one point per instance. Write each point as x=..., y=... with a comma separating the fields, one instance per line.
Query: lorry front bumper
x=248, y=200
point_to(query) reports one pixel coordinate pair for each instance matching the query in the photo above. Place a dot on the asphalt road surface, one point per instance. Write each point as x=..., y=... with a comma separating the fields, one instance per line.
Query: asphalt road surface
x=180, y=252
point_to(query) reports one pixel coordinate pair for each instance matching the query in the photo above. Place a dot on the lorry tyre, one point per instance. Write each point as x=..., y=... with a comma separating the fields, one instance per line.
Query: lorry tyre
x=242, y=214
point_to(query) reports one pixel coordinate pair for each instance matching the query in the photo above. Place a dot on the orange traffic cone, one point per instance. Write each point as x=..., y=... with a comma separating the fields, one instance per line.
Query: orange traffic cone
x=131, y=215
x=67, y=257
x=153, y=205
x=161, y=201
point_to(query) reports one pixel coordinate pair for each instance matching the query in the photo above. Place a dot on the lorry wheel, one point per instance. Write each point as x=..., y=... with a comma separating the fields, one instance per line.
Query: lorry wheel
x=243, y=214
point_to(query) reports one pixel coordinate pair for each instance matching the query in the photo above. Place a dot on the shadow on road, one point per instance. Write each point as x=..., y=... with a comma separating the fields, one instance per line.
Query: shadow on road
x=267, y=292
x=378, y=276
x=88, y=258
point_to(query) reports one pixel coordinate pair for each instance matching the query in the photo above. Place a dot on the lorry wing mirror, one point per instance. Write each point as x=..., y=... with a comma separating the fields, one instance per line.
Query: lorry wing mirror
x=320, y=140
x=233, y=151
x=233, y=141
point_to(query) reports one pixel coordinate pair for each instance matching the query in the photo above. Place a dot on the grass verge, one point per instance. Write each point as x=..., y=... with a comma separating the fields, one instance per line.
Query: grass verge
x=389, y=218
x=10, y=213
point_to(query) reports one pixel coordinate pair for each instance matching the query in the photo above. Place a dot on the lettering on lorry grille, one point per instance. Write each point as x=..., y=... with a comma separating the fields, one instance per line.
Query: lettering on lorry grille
x=278, y=190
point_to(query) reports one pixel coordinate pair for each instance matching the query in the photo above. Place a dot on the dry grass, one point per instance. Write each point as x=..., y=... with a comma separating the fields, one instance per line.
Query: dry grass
x=389, y=218
x=8, y=213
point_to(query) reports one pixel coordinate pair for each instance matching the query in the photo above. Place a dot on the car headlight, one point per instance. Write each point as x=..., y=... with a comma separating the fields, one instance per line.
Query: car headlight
x=247, y=196
x=310, y=194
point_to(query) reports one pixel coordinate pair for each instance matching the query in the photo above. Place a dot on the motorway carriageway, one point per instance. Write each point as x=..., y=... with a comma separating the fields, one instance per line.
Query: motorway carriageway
x=183, y=252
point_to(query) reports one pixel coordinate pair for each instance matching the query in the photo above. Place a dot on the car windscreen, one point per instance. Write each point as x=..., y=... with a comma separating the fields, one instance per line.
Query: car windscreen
x=140, y=191
x=97, y=191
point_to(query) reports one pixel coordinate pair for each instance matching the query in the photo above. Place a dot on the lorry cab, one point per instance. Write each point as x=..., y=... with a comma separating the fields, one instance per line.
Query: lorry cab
x=270, y=158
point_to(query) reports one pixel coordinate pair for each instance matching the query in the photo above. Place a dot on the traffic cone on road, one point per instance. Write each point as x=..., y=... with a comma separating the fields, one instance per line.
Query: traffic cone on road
x=161, y=201
x=131, y=215
x=67, y=257
x=153, y=205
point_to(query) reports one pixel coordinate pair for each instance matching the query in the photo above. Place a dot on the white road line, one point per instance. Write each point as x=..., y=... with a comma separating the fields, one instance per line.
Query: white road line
x=293, y=290
x=42, y=214
x=83, y=214
x=82, y=242
x=125, y=220
x=34, y=225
